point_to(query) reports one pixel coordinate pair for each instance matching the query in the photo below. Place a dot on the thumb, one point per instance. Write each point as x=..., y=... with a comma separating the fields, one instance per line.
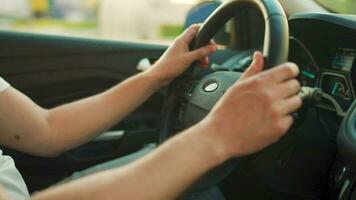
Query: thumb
x=255, y=67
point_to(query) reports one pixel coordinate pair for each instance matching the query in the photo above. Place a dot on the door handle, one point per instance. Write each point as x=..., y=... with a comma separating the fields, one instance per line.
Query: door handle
x=144, y=64
x=110, y=136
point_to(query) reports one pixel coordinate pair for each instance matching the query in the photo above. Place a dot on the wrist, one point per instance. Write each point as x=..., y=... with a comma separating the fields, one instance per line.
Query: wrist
x=155, y=78
x=207, y=136
x=156, y=73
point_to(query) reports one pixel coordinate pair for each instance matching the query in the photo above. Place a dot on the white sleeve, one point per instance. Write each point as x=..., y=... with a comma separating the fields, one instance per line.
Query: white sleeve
x=11, y=180
x=3, y=85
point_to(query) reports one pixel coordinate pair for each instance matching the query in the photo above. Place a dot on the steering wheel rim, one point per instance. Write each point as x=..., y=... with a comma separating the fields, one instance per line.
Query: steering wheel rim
x=276, y=41
x=275, y=51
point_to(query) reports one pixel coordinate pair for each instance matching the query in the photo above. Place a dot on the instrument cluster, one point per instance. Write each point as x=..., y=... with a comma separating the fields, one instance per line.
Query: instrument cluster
x=329, y=68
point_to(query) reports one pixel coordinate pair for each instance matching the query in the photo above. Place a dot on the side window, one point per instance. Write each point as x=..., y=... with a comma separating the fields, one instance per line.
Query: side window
x=340, y=6
x=131, y=20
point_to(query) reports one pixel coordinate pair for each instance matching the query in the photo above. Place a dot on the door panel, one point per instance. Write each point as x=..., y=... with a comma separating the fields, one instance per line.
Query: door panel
x=53, y=70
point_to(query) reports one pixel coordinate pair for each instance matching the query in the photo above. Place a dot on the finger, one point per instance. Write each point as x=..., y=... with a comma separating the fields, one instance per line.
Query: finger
x=255, y=67
x=286, y=123
x=282, y=73
x=189, y=34
x=204, y=62
x=212, y=42
x=201, y=53
x=288, y=88
x=291, y=104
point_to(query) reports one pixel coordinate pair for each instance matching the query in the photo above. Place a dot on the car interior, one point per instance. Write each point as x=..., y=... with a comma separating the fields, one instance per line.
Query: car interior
x=315, y=160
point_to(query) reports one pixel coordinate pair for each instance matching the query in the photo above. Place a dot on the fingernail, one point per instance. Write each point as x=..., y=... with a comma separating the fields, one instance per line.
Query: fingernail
x=193, y=33
x=255, y=55
x=213, y=48
x=193, y=30
x=295, y=68
x=254, y=59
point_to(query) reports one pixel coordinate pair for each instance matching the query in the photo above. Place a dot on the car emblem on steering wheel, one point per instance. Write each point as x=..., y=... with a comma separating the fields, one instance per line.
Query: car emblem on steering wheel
x=210, y=86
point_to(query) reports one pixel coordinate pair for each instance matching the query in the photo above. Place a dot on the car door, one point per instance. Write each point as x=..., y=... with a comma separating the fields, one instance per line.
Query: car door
x=53, y=70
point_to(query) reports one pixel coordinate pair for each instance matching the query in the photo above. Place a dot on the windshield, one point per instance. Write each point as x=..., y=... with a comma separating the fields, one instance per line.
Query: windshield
x=340, y=6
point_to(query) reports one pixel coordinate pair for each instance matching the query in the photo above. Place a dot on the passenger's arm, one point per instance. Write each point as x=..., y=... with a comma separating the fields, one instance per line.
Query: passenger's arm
x=29, y=128
x=253, y=114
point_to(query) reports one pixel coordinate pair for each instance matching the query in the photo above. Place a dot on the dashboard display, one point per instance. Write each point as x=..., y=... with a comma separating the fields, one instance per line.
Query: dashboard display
x=344, y=59
x=336, y=86
x=334, y=74
x=309, y=71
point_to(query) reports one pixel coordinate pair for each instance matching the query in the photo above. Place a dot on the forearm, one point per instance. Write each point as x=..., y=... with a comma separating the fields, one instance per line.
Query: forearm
x=76, y=123
x=29, y=128
x=163, y=174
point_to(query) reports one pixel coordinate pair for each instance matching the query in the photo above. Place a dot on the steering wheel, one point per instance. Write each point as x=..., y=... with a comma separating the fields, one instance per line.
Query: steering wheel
x=346, y=140
x=191, y=98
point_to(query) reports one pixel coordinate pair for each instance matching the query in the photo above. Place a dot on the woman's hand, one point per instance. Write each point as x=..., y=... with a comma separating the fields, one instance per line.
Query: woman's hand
x=178, y=57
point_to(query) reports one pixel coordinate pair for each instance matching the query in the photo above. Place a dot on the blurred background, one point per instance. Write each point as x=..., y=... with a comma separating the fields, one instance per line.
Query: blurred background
x=131, y=20
x=340, y=6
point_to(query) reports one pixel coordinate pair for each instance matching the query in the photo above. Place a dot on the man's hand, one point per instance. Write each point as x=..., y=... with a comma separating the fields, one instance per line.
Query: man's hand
x=255, y=112
x=178, y=57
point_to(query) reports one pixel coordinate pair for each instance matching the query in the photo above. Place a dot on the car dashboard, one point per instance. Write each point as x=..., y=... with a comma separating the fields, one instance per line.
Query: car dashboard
x=324, y=48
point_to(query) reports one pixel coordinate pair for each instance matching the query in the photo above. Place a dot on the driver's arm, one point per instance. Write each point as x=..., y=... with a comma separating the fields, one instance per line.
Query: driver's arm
x=27, y=127
x=253, y=114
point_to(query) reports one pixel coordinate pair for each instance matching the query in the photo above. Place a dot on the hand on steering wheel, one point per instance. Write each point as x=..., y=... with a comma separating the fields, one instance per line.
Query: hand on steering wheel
x=255, y=112
x=178, y=57
x=200, y=94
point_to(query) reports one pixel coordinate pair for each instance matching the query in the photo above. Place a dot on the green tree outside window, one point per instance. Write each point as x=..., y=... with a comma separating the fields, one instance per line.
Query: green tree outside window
x=340, y=6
